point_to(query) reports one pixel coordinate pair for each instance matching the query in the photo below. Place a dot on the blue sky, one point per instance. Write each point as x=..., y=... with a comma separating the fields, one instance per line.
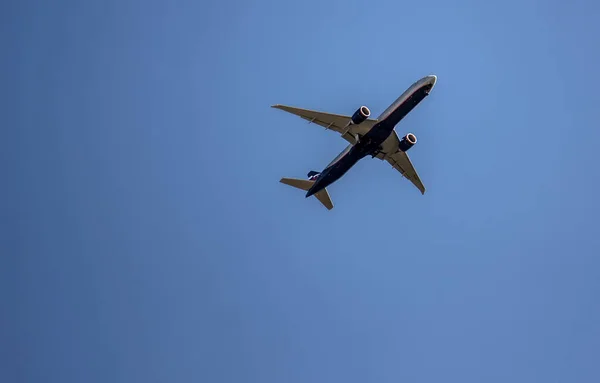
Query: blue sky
x=145, y=236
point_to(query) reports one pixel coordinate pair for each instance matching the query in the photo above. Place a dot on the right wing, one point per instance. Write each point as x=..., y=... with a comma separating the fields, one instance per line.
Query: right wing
x=400, y=160
x=335, y=122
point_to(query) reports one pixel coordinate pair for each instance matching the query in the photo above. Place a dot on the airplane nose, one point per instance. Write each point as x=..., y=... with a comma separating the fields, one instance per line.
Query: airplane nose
x=431, y=79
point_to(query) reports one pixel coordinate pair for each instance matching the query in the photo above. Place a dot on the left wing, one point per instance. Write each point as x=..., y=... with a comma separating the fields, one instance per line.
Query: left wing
x=400, y=160
x=335, y=122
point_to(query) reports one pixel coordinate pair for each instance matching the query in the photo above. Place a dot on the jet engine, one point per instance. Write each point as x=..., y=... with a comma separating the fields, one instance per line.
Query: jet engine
x=407, y=142
x=360, y=115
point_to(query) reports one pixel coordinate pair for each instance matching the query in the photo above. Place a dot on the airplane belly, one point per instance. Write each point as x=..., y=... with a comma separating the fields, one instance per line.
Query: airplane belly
x=339, y=168
x=379, y=132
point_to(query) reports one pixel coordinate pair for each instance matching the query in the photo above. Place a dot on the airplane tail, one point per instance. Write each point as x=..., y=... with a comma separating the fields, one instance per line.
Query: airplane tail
x=322, y=195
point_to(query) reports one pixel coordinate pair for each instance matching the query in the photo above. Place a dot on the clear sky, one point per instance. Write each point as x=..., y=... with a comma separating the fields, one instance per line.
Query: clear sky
x=145, y=236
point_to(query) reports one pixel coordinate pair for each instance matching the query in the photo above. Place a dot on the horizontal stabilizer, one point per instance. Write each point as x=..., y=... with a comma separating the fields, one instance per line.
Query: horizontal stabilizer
x=297, y=183
x=322, y=195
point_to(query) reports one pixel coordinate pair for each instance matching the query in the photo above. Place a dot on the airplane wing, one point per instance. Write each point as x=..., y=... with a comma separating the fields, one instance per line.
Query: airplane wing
x=335, y=122
x=400, y=160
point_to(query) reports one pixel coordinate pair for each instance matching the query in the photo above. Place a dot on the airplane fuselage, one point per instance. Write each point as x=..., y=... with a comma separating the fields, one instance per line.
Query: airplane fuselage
x=371, y=142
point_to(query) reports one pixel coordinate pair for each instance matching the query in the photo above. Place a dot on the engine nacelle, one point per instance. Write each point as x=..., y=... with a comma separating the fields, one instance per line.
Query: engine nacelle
x=360, y=115
x=407, y=142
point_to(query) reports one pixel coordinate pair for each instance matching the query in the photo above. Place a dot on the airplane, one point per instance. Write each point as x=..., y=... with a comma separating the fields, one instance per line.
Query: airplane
x=366, y=136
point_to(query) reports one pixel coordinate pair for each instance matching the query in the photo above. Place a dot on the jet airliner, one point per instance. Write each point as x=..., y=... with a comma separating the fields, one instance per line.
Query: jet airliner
x=367, y=137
